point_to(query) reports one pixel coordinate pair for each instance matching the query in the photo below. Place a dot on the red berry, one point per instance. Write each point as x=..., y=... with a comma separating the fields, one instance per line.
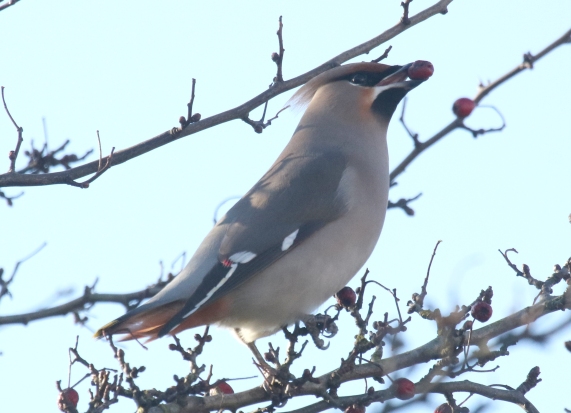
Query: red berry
x=463, y=107
x=443, y=408
x=355, y=408
x=482, y=311
x=404, y=388
x=420, y=70
x=68, y=397
x=221, y=388
x=346, y=297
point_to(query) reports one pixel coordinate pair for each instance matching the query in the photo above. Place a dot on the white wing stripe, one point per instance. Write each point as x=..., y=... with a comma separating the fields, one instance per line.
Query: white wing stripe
x=220, y=284
x=288, y=241
x=242, y=257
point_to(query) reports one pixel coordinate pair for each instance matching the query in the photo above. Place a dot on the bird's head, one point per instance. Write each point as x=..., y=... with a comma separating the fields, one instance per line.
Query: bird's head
x=361, y=89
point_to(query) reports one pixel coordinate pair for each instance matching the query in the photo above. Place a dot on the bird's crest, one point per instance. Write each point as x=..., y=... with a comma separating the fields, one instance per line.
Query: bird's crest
x=301, y=99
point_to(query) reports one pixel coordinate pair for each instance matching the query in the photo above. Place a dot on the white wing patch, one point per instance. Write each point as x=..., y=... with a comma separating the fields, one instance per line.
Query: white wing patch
x=288, y=241
x=220, y=284
x=242, y=257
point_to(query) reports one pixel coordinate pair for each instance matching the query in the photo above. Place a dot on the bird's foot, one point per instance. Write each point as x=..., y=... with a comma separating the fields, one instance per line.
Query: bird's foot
x=320, y=324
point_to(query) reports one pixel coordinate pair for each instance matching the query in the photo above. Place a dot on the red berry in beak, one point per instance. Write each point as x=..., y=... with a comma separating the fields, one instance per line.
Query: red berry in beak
x=404, y=389
x=346, y=297
x=463, y=107
x=420, y=70
x=482, y=311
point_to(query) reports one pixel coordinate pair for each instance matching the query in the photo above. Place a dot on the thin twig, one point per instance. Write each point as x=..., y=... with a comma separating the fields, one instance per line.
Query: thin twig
x=9, y=199
x=280, y=55
x=405, y=5
x=13, y=155
x=100, y=171
x=4, y=284
x=403, y=204
x=414, y=136
x=100, y=153
x=383, y=56
x=190, y=118
x=424, y=290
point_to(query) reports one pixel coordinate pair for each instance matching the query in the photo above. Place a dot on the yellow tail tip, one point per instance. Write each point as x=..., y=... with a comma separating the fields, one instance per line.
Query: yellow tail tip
x=105, y=330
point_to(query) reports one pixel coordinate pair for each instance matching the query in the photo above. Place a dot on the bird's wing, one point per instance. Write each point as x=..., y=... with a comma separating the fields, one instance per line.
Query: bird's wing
x=294, y=199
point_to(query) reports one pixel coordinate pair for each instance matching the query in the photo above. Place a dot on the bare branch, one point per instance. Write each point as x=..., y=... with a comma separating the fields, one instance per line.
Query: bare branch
x=484, y=91
x=4, y=284
x=82, y=303
x=432, y=350
x=239, y=112
x=8, y=4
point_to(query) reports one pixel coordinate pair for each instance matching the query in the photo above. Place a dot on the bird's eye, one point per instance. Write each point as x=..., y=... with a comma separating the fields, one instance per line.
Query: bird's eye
x=359, y=79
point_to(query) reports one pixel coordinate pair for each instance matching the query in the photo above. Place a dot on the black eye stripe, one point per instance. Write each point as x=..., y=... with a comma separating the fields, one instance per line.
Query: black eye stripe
x=369, y=79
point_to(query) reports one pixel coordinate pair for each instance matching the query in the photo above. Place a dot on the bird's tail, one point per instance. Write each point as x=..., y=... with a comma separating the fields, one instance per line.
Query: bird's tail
x=141, y=322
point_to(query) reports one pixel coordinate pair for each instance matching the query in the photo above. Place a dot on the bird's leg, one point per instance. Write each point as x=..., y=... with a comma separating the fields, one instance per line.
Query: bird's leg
x=267, y=370
x=258, y=356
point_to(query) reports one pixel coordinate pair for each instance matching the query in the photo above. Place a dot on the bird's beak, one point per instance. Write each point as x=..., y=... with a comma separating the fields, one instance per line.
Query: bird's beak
x=398, y=79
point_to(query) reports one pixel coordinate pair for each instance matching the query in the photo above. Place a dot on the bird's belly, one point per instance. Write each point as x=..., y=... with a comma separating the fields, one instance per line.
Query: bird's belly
x=300, y=282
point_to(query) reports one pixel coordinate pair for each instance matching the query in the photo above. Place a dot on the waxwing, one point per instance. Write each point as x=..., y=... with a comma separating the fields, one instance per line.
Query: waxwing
x=304, y=229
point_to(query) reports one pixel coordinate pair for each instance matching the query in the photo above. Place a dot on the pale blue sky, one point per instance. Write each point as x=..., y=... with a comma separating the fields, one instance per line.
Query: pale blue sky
x=125, y=69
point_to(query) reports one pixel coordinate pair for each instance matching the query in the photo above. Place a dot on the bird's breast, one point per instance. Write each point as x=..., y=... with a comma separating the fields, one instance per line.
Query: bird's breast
x=307, y=276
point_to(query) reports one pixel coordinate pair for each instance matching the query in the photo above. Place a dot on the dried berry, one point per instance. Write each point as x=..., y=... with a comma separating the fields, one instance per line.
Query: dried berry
x=443, y=408
x=346, y=297
x=275, y=57
x=221, y=388
x=463, y=107
x=269, y=357
x=420, y=70
x=482, y=311
x=355, y=408
x=68, y=397
x=404, y=389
